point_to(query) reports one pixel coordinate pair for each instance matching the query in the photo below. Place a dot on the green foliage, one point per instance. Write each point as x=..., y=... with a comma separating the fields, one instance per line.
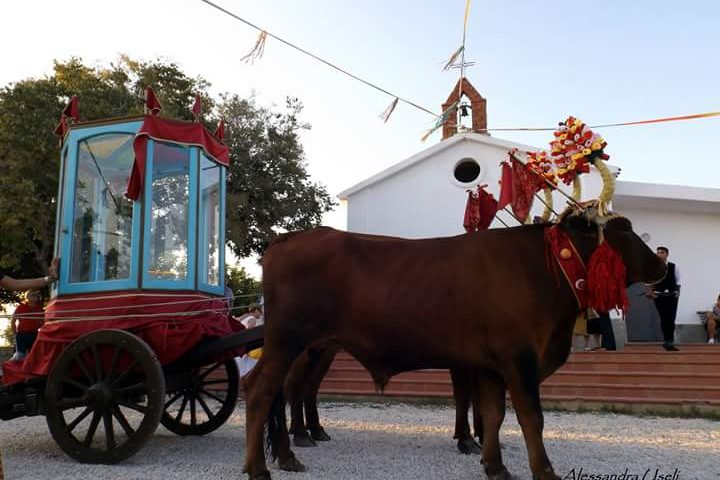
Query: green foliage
x=245, y=288
x=268, y=189
x=268, y=185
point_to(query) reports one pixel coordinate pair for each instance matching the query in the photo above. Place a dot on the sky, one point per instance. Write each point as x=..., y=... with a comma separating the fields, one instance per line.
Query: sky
x=536, y=63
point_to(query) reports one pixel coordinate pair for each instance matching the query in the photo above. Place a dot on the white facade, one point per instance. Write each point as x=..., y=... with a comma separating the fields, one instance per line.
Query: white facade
x=420, y=197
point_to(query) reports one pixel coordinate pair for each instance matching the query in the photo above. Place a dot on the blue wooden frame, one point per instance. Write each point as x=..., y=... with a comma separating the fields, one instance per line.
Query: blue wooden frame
x=202, y=262
x=68, y=209
x=189, y=283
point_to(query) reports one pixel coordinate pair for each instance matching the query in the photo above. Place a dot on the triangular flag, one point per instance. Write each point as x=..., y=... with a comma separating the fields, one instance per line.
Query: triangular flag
x=152, y=104
x=72, y=110
x=62, y=128
x=220, y=130
x=472, y=213
x=197, y=107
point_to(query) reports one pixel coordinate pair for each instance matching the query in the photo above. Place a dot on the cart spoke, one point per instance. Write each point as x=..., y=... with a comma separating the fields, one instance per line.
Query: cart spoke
x=215, y=382
x=133, y=406
x=96, y=357
x=74, y=383
x=81, y=364
x=212, y=395
x=131, y=388
x=92, y=428
x=109, y=432
x=113, y=363
x=210, y=370
x=209, y=413
x=129, y=431
x=71, y=426
x=68, y=403
x=178, y=417
x=173, y=400
x=193, y=415
x=124, y=374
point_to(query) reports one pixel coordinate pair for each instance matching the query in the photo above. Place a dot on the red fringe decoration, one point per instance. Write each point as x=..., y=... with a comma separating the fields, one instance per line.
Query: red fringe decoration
x=606, y=280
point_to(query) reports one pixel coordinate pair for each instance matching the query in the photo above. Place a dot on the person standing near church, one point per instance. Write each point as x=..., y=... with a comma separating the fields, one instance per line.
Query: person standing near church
x=666, y=295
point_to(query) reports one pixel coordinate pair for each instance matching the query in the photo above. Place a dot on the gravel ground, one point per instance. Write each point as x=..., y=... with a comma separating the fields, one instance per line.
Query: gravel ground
x=394, y=441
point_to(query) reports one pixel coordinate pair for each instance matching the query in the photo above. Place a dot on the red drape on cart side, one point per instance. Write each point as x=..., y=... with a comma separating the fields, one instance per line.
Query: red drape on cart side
x=169, y=327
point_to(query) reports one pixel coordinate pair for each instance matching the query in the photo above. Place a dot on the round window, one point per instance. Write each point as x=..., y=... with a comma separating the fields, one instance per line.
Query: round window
x=467, y=170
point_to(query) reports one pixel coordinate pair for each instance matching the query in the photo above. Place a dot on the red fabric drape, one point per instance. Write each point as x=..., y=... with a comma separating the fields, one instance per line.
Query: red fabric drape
x=506, y=186
x=175, y=131
x=151, y=101
x=525, y=184
x=171, y=323
x=72, y=110
x=197, y=107
x=480, y=210
x=220, y=130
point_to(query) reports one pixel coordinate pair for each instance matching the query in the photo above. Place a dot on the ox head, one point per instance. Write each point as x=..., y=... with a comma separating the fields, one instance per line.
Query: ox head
x=587, y=229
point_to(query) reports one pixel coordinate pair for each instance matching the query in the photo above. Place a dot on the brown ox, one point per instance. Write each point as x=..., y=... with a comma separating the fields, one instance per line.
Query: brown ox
x=503, y=312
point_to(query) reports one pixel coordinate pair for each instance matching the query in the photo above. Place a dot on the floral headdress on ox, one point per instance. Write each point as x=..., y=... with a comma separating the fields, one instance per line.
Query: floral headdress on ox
x=541, y=164
x=576, y=147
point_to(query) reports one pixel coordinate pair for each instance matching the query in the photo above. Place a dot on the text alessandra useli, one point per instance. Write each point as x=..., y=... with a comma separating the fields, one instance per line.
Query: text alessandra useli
x=648, y=474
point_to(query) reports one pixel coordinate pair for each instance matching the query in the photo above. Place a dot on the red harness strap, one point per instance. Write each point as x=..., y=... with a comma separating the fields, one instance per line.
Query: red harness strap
x=559, y=246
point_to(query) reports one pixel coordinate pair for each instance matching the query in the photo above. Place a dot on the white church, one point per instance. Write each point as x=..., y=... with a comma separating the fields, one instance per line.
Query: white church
x=685, y=219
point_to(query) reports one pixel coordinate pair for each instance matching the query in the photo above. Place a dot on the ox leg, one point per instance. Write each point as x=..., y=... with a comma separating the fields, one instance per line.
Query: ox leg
x=462, y=381
x=491, y=402
x=295, y=387
x=523, y=381
x=317, y=432
x=263, y=387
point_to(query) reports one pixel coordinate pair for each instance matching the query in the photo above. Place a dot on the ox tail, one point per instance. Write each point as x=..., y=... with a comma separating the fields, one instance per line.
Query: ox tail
x=276, y=425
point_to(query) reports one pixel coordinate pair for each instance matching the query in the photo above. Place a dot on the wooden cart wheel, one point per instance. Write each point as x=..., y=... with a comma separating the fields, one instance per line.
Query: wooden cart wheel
x=108, y=378
x=203, y=399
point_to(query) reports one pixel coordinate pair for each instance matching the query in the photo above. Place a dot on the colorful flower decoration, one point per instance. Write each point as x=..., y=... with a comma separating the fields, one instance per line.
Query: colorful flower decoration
x=542, y=164
x=574, y=148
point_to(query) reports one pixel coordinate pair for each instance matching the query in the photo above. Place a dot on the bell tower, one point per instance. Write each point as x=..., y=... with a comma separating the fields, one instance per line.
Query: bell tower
x=477, y=107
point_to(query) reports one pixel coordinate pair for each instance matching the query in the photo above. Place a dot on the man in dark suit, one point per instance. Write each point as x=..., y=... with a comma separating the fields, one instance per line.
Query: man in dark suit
x=666, y=295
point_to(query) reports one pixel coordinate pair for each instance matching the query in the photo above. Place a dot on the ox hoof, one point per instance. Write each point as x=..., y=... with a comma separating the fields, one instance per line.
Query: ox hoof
x=319, y=435
x=548, y=474
x=498, y=473
x=260, y=476
x=469, y=446
x=303, y=440
x=291, y=464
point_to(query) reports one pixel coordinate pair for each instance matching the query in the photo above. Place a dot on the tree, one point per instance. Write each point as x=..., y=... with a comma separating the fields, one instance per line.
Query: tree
x=245, y=288
x=268, y=186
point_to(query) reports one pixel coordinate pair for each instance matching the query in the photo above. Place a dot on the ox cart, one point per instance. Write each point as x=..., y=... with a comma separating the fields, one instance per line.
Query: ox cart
x=138, y=330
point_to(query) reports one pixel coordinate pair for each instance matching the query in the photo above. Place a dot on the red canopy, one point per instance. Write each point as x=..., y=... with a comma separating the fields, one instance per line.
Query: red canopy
x=173, y=131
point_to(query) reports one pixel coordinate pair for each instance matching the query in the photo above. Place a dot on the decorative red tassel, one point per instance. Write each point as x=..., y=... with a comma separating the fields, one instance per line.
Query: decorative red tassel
x=606, y=280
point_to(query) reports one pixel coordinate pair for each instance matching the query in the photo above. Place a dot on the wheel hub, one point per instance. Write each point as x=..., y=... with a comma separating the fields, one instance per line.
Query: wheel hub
x=101, y=393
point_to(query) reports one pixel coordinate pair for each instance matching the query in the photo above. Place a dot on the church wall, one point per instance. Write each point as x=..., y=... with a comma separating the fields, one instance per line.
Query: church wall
x=692, y=240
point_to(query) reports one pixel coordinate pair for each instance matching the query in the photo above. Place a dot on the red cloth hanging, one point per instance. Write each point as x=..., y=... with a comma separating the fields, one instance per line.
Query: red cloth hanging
x=607, y=280
x=197, y=108
x=174, y=131
x=472, y=213
x=151, y=101
x=506, y=186
x=72, y=110
x=220, y=130
x=480, y=210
